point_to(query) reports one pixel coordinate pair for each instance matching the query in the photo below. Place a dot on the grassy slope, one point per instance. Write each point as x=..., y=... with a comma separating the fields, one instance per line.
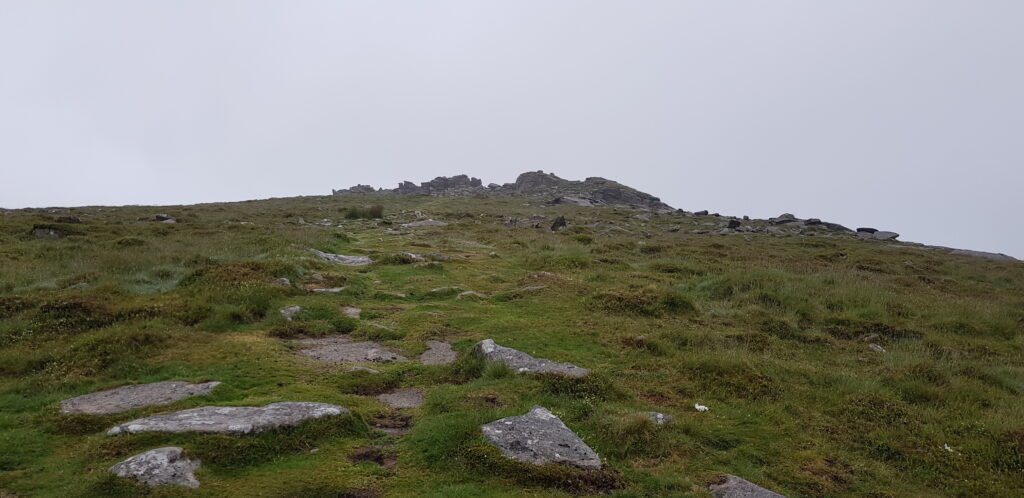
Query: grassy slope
x=798, y=402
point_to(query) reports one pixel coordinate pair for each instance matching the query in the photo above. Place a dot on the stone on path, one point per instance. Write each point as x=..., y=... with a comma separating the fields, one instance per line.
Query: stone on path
x=438, y=353
x=127, y=398
x=402, y=398
x=540, y=438
x=734, y=487
x=341, y=349
x=160, y=467
x=230, y=419
x=351, y=312
x=470, y=295
x=343, y=260
x=524, y=363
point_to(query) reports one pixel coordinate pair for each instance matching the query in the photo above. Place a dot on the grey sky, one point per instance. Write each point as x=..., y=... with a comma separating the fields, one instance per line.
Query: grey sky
x=900, y=114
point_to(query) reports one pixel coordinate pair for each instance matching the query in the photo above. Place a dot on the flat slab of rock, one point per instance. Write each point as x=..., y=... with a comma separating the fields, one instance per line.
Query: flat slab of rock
x=402, y=398
x=351, y=312
x=524, y=363
x=160, y=467
x=736, y=487
x=127, y=398
x=341, y=349
x=343, y=260
x=539, y=437
x=438, y=353
x=231, y=419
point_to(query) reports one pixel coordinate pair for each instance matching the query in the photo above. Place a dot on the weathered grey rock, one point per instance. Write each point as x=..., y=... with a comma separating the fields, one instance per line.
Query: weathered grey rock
x=884, y=235
x=982, y=254
x=355, y=189
x=73, y=220
x=702, y=212
x=160, y=467
x=524, y=363
x=402, y=398
x=658, y=418
x=162, y=217
x=327, y=290
x=290, y=312
x=351, y=311
x=441, y=258
x=540, y=438
x=735, y=487
x=438, y=353
x=575, y=201
x=558, y=224
x=733, y=224
x=876, y=348
x=231, y=419
x=866, y=230
x=424, y=223
x=341, y=349
x=283, y=281
x=343, y=260
x=783, y=219
x=470, y=295
x=127, y=398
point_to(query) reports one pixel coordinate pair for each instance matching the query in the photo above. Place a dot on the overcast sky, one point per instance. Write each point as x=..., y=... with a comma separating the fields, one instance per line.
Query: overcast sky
x=899, y=114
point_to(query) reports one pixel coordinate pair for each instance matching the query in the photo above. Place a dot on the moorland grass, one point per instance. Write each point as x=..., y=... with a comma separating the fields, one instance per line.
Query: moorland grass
x=771, y=332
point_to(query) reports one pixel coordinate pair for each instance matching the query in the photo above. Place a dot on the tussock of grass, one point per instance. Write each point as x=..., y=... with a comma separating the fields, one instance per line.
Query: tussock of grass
x=646, y=302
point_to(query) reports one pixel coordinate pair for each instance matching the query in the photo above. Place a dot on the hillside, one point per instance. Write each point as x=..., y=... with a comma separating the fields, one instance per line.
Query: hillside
x=831, y=361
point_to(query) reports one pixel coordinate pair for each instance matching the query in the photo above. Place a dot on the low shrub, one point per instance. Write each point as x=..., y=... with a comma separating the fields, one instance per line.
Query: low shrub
x=365, y=212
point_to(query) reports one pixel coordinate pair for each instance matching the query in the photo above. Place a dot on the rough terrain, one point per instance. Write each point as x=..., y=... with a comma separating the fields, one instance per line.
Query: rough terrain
x=363, y=341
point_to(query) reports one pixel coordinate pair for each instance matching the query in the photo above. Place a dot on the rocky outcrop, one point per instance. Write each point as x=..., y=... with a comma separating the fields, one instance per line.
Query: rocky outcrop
x=442, y=186
x=521, y=362
x=982, y=254
x=160, y=467
x=593, y=191
x=540, y=438
x=128, y=398
x=355, y=189
x=877, y=234
x=230, y=419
